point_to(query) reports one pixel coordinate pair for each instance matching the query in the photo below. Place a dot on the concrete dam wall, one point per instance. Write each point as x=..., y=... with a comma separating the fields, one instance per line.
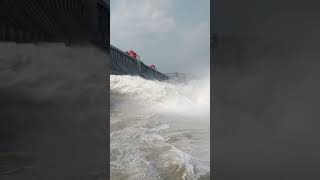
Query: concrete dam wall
x=54, y=118
x=122, y=64
x=69, y=21
x=73, y=22
x=54, y=115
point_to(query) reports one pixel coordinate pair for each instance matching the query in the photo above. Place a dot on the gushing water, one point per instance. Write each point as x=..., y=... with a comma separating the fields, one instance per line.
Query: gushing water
x=159, y=130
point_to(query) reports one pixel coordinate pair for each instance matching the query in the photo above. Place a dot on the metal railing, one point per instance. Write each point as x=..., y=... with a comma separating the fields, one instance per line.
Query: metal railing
x=121, y=63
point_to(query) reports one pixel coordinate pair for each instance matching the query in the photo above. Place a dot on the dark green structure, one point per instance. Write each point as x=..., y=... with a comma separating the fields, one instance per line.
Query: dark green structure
x=70, y=21
x=122, y=64
x=73, y=22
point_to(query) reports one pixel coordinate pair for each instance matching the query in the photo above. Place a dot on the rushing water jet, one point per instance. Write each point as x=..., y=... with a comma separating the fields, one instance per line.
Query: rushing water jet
x=159, y=130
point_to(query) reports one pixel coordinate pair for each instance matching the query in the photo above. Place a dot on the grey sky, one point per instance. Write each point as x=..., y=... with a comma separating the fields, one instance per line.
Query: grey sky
x=172, y=34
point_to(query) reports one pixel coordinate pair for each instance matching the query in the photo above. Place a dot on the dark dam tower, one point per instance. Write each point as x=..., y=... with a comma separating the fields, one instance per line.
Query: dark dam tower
x=53, y=66
x=70, y=21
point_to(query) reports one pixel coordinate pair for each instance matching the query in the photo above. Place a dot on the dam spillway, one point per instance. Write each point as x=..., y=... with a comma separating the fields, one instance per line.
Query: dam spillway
x=73, y=22
x=53, y=62
x=122, y=64
x=69, y=21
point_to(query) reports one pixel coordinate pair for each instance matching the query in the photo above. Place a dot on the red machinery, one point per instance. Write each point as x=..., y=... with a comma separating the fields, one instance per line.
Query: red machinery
x=136, y=56
x=133, y=54
x=152, y=66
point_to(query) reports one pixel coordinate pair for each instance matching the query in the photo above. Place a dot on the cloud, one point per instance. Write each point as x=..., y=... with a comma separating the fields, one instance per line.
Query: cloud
x=135, y=18
x=153, y=30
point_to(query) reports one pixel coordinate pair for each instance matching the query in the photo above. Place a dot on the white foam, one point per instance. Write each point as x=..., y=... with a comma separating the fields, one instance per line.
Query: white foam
x=149, y=113
x=191, y=99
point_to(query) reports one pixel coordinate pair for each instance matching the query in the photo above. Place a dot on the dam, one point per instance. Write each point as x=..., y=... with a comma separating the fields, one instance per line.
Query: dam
x=73, y=22
x=54, y=57
x=68, y=21
x=122, y=64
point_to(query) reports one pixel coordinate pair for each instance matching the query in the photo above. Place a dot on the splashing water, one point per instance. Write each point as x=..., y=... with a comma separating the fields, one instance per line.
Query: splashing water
x=159, y=130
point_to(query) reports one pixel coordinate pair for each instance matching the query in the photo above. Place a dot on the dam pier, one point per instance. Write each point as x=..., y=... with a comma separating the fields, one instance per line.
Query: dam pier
x=123, y=64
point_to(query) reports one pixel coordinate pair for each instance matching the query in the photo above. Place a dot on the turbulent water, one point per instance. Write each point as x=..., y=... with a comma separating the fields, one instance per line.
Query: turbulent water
x=53, y=111
x=159, y=130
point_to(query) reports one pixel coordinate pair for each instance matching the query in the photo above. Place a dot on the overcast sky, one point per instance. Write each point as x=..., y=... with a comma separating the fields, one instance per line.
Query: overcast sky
x=172, y=34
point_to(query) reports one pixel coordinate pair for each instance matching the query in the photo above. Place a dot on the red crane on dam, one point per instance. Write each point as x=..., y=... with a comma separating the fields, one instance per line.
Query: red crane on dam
x=133, y=54
x=152, y=66
x=136, y=56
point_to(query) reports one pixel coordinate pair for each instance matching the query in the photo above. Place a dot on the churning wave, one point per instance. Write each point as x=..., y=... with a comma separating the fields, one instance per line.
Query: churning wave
x=159, y=130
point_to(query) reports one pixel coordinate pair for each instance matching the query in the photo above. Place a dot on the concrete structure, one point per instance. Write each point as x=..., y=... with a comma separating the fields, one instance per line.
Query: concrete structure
x=73, y=22
x=54, y=100
x=70, y=21
x=122, y=64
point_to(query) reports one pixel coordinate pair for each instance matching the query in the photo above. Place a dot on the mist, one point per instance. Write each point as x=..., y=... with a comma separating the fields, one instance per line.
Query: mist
x=159, y=129
x=53, y=109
